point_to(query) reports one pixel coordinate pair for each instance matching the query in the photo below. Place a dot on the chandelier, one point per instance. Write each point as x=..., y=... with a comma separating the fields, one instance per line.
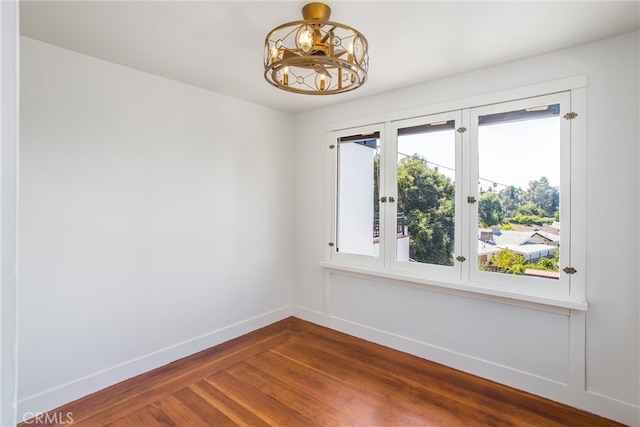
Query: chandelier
x=315, y=56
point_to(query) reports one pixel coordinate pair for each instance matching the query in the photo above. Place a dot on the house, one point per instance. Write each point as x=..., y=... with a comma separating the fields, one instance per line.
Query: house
x=158, y=218
x=540, y=237
x=531, y=245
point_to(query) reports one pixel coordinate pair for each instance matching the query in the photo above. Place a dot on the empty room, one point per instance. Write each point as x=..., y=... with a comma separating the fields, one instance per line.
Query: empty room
x=190, y=237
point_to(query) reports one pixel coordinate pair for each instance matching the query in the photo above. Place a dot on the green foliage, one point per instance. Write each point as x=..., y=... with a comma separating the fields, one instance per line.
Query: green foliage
x=427, y=199
x=526, y=219
x=545, y=264
x=507, y=261
x=511, y=198
x=539, y=199
x=529, y=209
x=490, y=209
x=530, y=214
x=544, y=196
x=549, y=264
x=530, y=220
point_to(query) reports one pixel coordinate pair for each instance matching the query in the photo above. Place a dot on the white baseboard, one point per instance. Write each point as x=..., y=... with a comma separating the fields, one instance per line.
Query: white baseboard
x=55, y=397
x=553, y=390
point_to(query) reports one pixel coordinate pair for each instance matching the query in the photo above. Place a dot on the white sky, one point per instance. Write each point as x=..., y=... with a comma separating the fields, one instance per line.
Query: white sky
x=509, y=153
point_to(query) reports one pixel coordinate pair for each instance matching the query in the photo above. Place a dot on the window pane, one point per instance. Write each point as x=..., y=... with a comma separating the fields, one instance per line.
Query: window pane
x=426, y=193
x=358, y=183
x=519, y=192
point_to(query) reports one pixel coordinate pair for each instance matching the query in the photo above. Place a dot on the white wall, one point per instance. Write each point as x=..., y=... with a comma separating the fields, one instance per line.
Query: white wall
x=155, y=221
x=8, y=208
x=535, y=349
x=129, y=183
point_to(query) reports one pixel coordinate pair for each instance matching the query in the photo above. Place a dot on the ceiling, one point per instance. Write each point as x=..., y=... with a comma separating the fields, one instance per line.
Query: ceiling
x=218, y=45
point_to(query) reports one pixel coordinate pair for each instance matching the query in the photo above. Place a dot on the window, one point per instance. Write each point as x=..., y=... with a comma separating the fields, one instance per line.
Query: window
x=428, y=187
x=477, y=198
x=522, y=213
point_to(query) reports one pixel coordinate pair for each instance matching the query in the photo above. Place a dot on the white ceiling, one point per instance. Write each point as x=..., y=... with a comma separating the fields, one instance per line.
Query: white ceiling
x=218, y=45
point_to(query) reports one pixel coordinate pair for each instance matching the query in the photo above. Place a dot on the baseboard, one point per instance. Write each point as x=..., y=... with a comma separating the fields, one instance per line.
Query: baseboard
x=48, y=400
x=553, y=390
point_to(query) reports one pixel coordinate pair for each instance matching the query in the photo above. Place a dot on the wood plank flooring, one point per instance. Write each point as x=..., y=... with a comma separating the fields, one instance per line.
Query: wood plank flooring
x=294, y=373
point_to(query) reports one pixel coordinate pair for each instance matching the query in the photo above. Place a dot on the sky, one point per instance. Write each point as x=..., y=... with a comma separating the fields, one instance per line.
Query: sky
x=511, y=153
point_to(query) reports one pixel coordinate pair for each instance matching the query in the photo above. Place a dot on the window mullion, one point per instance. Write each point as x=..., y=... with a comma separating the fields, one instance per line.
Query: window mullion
x=389, y=208
x=472, y=192
x=466, y=186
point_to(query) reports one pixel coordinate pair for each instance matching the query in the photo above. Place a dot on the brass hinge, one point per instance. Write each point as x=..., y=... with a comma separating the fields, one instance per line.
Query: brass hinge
x=569, y=270
x=461, y=129
x=331, y=147
x=570, y=116
x=471, y=199
x=461, y=258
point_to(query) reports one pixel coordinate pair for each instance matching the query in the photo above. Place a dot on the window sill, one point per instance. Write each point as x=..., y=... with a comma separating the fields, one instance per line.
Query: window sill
x=536, y=301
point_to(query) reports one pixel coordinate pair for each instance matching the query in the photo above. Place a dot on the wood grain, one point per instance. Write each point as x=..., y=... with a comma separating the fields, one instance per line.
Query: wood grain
x=295, y=373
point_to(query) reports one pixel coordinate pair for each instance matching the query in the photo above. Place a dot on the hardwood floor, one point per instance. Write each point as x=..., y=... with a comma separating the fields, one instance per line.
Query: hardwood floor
x=294, y=373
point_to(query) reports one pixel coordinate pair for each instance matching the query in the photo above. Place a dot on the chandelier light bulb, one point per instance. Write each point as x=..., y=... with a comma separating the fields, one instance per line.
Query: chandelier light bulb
x=322, y=82
x=305, y=38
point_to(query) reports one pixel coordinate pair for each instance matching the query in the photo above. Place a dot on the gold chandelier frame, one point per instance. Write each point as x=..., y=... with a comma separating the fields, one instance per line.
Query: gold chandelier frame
x=316, y=56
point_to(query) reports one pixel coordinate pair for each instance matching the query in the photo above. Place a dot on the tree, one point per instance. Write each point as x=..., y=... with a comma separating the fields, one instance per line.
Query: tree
x=543, y=195
x=427, y=199
x=507, y=261
x=528, y=214
x=490, y=209
x=549, y=264
x=529, y=209
x=512, y=198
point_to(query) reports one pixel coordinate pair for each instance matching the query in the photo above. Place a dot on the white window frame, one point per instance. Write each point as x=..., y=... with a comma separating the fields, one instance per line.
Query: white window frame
x=560, y=287
x=571, y=297
x=422, y=269
x=333, y=143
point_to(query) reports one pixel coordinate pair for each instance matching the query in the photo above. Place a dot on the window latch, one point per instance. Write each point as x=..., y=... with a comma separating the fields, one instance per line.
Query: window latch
x=471, y=199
